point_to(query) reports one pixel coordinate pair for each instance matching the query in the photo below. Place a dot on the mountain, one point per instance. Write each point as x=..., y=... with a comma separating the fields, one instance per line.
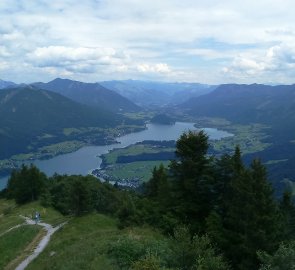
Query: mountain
x=148, y=93
x=92, y=94
x=4, y=84
x=274, y=105
x=28, y=112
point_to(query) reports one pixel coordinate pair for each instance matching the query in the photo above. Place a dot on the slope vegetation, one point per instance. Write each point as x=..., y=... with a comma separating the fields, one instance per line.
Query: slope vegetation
x=92, y=94
x=27, y=113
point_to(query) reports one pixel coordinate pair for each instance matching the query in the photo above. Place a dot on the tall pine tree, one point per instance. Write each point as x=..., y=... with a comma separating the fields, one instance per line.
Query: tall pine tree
x=192, y=174
x=249, y=220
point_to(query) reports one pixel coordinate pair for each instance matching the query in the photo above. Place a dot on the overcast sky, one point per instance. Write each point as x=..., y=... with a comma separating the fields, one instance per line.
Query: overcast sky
x=168, y=40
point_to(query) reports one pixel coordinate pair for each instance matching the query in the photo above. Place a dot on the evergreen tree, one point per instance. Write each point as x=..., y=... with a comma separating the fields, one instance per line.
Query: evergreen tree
x=26, y=184
x=249, y=219
x=282, y=259
x=288, y=216
x=158, y=187
x=80, y=196
x=192, y=174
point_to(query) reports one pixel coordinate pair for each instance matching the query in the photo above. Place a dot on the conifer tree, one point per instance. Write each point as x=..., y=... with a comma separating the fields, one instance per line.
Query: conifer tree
x=192, y=175
x=26, y=184
x=249, y=221
x=288, y=216
x=157, y=187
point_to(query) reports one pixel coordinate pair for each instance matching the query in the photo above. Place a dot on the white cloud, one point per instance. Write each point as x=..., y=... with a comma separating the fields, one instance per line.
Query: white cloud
x=275, y=63
x=4, y=52
x=173, y=39
x=156, y=68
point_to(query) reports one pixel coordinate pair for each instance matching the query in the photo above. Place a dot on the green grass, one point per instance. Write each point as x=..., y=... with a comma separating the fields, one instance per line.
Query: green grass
x=62, y=147
x=140, y=169
x=13, y=243
x=248, y=137
x=48, y=215
x=84, y=242
x=7, y=218
x=6, y=204
x=140, y=115
x=7, y=222
x=81, y=244
x=12, y=218
x=133, y=150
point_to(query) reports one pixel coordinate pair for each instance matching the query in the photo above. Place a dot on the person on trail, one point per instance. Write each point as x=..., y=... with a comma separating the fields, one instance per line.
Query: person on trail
x=37, y=217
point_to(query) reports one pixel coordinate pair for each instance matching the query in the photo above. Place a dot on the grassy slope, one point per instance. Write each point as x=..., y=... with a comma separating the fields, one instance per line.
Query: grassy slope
x=83, y=243
x=18, y=243
x=15, y=242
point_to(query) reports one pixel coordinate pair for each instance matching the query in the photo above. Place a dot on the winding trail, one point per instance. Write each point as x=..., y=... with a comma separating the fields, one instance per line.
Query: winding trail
x=42, y=244
x=12, y=228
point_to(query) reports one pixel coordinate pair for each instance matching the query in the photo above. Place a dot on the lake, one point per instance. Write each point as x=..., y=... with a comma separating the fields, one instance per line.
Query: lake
x=84, y=160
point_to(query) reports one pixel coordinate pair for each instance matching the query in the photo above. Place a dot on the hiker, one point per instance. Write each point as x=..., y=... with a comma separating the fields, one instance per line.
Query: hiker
x=37, y=217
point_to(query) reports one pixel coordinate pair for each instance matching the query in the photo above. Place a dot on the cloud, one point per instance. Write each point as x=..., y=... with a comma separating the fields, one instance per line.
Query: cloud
x=276, y=62
x=4, y=52
x=93, y=39
x=156, y=68
x=81, y=59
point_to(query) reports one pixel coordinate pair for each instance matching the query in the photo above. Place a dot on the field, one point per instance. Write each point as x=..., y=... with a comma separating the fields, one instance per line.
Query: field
x=17, y=243
x=250, y=138
x=138, y=170
x=89, y=242
x=133, y=165
x=134, y=150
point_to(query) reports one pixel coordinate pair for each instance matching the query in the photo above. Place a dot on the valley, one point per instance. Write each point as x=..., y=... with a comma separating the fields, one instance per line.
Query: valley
x=147, y=135
x=256, y=135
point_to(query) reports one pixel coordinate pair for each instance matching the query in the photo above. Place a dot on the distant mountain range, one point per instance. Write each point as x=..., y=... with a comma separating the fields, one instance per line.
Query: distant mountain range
x=28, y=112
x=4, y=84
x=154, y=94
x=92, y=94
x=256, y=103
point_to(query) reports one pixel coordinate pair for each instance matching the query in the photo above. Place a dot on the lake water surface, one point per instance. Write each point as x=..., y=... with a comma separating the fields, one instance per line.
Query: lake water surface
x=84, y=160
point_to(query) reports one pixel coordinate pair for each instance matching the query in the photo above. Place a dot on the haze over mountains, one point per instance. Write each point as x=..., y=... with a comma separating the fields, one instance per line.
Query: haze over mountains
x=147, y=94
x=4, y=84
x=246, y=103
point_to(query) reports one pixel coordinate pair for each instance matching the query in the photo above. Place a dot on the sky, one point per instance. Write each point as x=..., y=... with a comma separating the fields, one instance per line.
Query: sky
x=213, y=42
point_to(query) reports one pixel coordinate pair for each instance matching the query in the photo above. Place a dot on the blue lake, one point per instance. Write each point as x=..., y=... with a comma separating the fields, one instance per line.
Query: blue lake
x=84, y=160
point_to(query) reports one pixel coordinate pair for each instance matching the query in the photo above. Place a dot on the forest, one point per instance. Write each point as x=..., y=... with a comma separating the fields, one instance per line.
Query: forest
x=220, y=213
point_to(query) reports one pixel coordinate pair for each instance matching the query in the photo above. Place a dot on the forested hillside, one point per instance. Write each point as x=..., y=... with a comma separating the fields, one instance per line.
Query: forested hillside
x=272, y=106
x=213, y=213
x=28, y=113
x=92, y=94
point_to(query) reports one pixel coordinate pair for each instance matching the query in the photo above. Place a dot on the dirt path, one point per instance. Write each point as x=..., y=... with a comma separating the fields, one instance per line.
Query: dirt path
x=12, y=228
x=42, y=244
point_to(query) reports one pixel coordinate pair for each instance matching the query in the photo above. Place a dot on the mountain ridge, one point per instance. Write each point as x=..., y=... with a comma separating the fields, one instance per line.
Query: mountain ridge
x=92, y=94
x=28, y=112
